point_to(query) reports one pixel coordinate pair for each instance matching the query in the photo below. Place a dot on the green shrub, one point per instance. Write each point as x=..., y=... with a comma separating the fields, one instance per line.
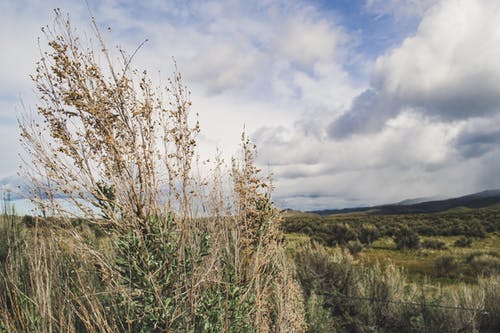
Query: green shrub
x=184, y=254
x=28, y=220
x=340, y=234
x=484, y=263
x=368, y=233
x=355, y=247
x=475, y=229
x=445, y=265
x=406, y=238
x=319, y=318
x=463, y=241
x=433, y=244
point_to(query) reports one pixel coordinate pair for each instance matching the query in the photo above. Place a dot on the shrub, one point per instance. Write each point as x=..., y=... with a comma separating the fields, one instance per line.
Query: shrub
x=368, y=233
x=28, y=220
x=406, y=238
x=475, y=229
x=343, y=297
x=445, y=265
x=463, y=242
x=124, y=157
x=319, y=319
x=355, y=247
x=340, y=234
x=433, y=244
x=490, y=288
x=484, y=263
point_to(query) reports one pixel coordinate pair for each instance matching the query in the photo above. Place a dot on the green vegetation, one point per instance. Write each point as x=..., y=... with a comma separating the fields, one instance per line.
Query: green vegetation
x=414, y=241
x=407, y=273
x=344, y=296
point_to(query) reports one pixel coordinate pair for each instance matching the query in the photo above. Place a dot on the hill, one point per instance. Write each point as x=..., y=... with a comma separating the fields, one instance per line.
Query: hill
x=475, y=200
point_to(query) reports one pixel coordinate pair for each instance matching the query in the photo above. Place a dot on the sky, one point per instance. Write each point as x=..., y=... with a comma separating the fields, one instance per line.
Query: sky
x=350, y=103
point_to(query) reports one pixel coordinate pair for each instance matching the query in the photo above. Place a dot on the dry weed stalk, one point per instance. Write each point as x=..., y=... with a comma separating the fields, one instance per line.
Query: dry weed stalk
x=263, y=262
x=123, y=158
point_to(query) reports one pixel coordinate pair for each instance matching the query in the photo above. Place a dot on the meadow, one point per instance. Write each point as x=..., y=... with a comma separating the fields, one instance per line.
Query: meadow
x=358, y=284
x=439, y=267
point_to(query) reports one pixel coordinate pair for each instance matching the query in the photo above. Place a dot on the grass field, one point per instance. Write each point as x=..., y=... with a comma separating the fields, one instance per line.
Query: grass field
x=420, y=264
x=449, y=265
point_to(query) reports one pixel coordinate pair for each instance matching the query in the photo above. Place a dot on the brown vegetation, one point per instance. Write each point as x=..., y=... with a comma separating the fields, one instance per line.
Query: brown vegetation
x=182, y=254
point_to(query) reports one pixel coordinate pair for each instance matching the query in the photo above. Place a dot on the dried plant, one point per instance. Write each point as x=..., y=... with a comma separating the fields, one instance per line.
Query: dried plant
x=122, y=154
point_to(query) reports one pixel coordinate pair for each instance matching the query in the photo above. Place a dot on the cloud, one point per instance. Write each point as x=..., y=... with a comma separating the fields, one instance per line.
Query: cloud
x=13, y=187
x=450, y=67
x=413, y=156
x=307, y=41
x=478, y=137
x=9, y=146
x=477, y=144
x=448, y=70
x=368, y=114
x=247, y=63
x=296, y=76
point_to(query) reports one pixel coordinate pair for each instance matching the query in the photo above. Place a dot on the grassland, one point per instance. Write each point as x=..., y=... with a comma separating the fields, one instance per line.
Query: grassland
x=374, y=287
x=446, y=264
x=420, y=264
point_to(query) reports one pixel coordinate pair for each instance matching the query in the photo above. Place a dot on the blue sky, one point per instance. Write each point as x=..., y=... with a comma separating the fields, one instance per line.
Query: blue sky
x=350, y=102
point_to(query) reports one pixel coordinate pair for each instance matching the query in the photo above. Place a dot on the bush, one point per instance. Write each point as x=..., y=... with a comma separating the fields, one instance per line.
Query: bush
x=342, y=297
x=123, y=152
x=475, y=229
x=484, y=263
x=445, y=265
x=340, y=234
x=319, y=319
x=406, y=238
x=368, y=233
x=28, y=220
x=355, y=247
x=490, y=286
x=433, y=244
x=463, y=242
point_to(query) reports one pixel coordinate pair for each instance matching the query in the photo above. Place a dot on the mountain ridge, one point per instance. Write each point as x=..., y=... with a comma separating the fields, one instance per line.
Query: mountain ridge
x=416, y=206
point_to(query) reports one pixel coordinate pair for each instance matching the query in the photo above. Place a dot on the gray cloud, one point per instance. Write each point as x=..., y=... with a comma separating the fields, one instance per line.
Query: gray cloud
x=368, y=114
x=477, y=143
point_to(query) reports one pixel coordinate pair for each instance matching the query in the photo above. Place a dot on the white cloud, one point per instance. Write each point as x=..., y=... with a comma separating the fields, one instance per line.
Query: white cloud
x=9, y=146
x=247, y=64
x=450, y=68
x=307, y=41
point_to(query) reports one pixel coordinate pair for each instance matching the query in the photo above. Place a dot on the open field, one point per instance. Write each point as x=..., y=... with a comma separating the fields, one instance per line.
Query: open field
x=435, y=258
x=421, y=263
x=434, y=269
x=378, y=286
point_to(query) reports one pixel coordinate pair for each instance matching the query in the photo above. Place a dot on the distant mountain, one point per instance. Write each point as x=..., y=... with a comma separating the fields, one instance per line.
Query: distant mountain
x=341, y=211
x=415, y=206
x=407, y=202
